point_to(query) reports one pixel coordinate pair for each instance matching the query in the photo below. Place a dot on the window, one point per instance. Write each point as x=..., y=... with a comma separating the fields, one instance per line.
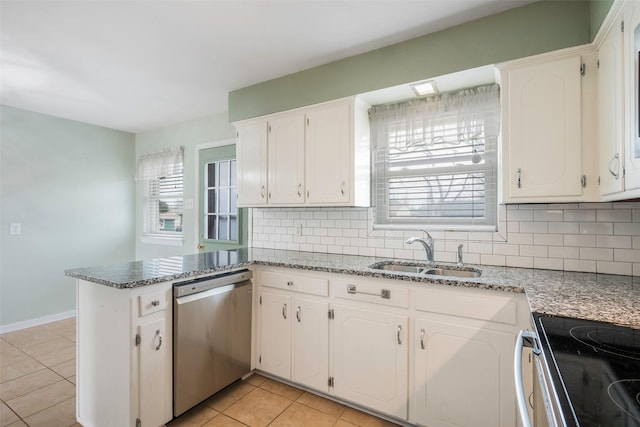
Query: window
x=434, y=161
x=221, y=211
x=162, y=174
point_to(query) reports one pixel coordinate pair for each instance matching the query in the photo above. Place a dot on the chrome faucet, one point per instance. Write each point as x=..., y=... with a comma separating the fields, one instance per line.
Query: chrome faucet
x=427, y=242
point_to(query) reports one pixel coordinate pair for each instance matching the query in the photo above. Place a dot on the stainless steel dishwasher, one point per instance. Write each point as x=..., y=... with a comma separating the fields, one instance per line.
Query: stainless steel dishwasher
x=211, y=336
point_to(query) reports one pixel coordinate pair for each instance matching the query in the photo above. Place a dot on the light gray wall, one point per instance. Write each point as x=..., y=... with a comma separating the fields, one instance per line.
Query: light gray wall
x=189, y=134
x=70, y=185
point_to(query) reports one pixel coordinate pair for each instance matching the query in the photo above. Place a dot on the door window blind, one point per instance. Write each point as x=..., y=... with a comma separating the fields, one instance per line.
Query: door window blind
x=435, y=160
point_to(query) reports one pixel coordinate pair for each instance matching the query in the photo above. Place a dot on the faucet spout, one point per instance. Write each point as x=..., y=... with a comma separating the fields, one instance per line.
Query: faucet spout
x=426, y=242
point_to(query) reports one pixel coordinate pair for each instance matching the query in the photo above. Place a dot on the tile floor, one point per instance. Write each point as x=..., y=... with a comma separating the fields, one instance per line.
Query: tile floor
x=37, y=388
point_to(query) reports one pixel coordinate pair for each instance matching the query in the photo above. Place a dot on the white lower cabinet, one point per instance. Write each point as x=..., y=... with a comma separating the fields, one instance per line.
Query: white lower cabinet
x=460, y=375
x=294, y=329
x=370, y=359
x=426, y=354
x=124, y=353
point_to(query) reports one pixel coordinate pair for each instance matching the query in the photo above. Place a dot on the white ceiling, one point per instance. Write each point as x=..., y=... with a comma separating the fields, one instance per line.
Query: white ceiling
x=139, y=65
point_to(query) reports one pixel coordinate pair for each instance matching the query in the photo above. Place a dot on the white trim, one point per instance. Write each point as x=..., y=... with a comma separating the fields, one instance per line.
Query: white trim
x=609, y=21
x=196, y=182
x=167, y=241
x=36, y=322
x=546, y=57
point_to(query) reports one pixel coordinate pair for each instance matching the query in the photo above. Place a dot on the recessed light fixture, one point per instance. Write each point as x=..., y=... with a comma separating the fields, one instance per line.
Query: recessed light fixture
x=424, y=88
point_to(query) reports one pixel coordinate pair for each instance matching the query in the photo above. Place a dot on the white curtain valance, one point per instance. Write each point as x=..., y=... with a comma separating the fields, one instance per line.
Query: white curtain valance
x=157, y=165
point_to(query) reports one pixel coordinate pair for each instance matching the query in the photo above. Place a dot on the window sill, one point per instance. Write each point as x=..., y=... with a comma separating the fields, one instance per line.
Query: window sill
x=162, y=240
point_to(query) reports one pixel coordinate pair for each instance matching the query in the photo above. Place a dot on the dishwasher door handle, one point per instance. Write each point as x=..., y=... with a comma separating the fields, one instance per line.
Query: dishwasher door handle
x=529, y=339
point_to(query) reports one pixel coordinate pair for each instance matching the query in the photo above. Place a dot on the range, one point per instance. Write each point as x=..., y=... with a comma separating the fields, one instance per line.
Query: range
x=595, y=368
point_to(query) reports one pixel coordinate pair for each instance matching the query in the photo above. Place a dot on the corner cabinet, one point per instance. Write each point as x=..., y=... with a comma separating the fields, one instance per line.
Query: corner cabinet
x=317, y=155
x=124, y=354
x=632, y=98
x=547, y=126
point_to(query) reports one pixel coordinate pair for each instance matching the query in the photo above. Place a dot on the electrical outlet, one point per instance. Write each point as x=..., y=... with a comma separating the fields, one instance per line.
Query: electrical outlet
x=298, y=229
x=15, y=228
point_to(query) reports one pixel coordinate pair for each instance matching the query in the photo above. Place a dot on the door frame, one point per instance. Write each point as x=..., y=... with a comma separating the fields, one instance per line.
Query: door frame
x=196, y=189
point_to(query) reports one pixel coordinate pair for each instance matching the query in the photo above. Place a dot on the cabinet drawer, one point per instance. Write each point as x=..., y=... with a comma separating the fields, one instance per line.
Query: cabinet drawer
x=150, y=303
x=494, y=308
x=295, y=282
x=371, y=291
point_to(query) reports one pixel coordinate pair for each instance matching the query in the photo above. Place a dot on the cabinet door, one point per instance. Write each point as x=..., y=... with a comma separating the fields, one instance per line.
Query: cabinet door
x=632, y=91
x=463, y=376
x=154, y=361
x=543, y=140
x=329, y=148
x=286, y=159
x=369, y=355
x=310, y=365
x=275, y=334
x=251, y=153
x=610, y=104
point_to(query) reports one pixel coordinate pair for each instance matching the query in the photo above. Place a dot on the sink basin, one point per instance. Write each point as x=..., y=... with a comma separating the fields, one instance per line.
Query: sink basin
x=423, y=269
x=400, y=267
x=454, y=273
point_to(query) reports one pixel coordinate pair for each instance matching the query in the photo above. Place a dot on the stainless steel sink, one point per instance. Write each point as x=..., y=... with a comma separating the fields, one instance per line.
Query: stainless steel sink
x=424, y=269
x=454, y=273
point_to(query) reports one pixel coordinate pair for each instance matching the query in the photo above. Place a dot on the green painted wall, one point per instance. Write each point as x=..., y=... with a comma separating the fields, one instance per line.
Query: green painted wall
x=598, y=11
x=535, y=28
x=188, y=134
x=70, y=185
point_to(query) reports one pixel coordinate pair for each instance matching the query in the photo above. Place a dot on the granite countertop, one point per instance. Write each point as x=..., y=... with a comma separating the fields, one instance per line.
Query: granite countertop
x=601, y=297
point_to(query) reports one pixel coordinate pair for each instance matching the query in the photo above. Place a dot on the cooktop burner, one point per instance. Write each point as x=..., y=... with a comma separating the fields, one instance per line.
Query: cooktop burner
x=598, y=365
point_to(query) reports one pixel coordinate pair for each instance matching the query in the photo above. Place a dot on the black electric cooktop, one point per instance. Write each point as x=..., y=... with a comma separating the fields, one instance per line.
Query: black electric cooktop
x=597, y=370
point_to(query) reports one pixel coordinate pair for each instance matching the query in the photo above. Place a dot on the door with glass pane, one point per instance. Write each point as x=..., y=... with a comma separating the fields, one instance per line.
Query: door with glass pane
x=222, y=224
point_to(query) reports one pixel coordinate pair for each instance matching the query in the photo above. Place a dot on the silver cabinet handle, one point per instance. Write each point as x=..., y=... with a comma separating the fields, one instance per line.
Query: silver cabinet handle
x=519, y=176
x=159, y=339
x=284, y=311
x=615, y=171
x=342, y=189
x=384, y=293
x=290, y=283
x=298, y=314
x=262, y=191
x=299, y=190
x=155, y=303
x=399, y=331
x=422, y=339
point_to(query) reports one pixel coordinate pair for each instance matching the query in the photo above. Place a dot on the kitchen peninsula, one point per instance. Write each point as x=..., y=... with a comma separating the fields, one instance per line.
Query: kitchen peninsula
x=118, y=303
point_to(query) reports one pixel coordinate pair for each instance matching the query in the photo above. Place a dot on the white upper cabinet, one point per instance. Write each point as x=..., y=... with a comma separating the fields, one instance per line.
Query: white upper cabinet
x=542, y=130
x=251, y=153
x=329, y=154
x=632, y=106
x=285, y=156
x=317, y=155
x=610, y=102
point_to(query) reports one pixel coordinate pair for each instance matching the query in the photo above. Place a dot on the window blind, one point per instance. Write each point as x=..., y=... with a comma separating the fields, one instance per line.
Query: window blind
x=435, y=160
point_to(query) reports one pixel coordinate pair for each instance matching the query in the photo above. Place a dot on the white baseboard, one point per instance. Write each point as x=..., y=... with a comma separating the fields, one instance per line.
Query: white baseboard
x=36, y=322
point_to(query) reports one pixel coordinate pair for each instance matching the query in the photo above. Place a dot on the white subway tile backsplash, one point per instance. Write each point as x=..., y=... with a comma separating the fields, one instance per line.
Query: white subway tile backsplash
x=520, y=261
x=580, y=240
x=613, y=215
x=548, y=263
x=627, y=228
x=607, y=267
x=602, y=237
x=623, y=242
x=598, y=254
x=548, y=215
x=580, y=265
x=548, y=239
x=533, y=227
x=626, y=255
x=596, y=228
x=579, y=215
